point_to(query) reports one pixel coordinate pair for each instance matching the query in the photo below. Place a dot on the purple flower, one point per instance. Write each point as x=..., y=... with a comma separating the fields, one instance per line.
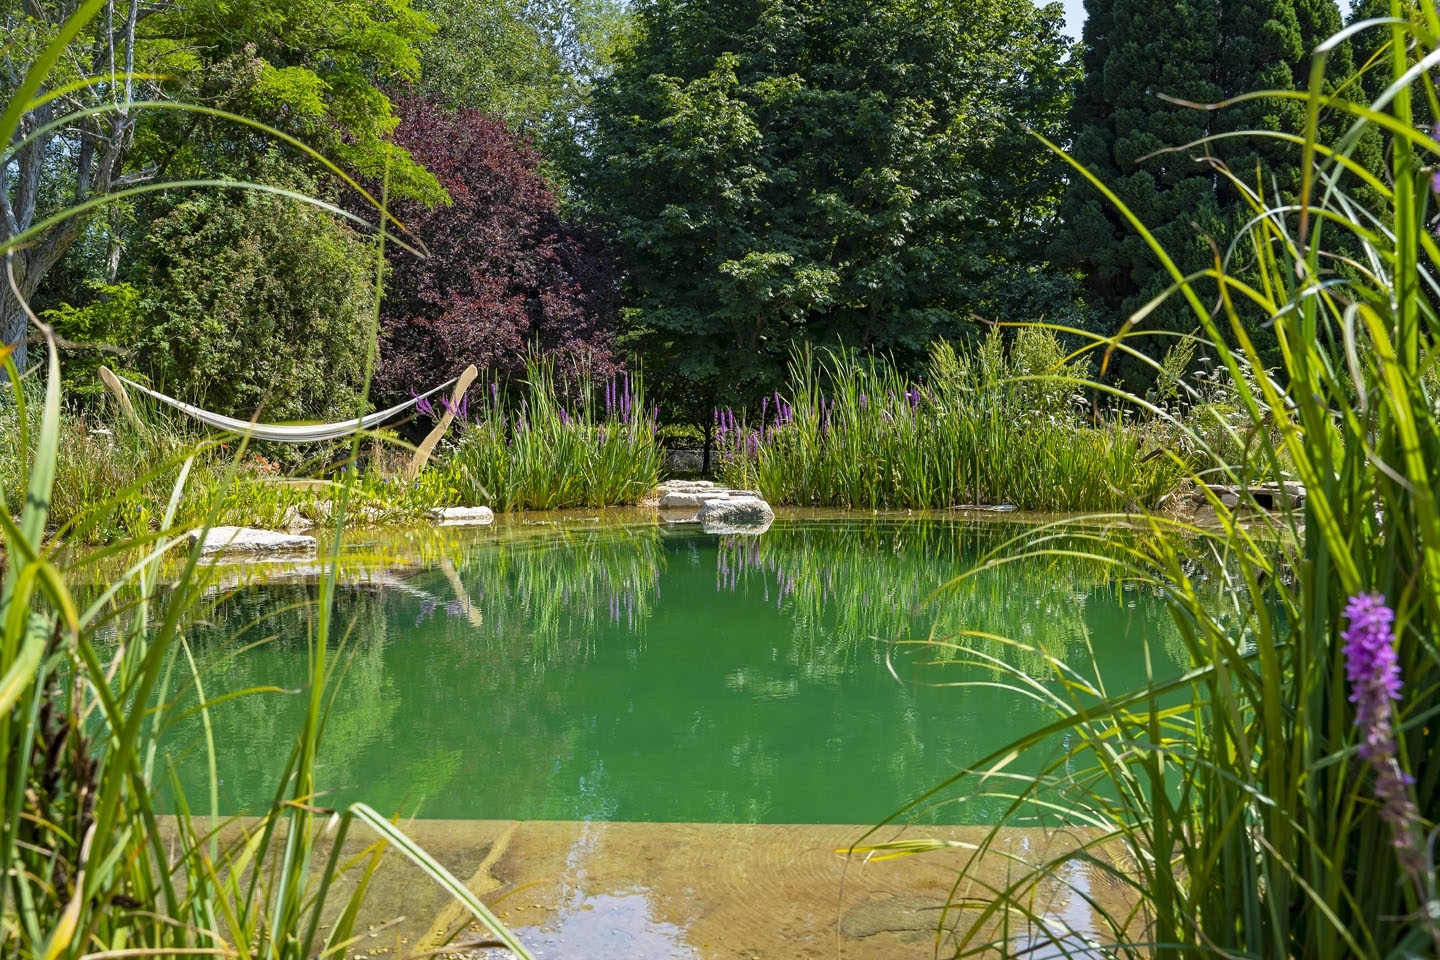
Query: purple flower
x=1374, y=675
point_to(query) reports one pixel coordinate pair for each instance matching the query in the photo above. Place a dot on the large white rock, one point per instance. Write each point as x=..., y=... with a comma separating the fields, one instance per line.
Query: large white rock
x=249, y=541
x=463, y=516
x=736, y=515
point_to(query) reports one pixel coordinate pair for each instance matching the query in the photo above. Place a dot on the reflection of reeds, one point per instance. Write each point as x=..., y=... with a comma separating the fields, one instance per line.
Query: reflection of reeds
x=560, y=593
x=847, y=585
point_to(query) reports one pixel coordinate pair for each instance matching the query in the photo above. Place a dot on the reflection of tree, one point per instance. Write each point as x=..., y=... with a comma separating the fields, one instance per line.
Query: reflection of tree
x=259, y=638
x=635, y=672
x=847, y=585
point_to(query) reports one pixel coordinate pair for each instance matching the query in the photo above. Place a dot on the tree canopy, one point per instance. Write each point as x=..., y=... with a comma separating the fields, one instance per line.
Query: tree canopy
x=504, y=272
x=313, y=68
x=1134, y=52
x=778, y=171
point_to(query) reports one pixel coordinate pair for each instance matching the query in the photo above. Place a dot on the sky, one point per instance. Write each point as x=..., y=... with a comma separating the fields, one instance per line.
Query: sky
x=1074, y=18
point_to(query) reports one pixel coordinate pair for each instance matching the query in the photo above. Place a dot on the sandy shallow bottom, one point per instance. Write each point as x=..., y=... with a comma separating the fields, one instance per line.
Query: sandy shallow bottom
x=647, y=891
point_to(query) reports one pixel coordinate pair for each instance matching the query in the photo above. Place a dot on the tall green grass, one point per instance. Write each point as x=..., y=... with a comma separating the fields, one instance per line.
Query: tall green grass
x=539, y=452
x=113, y=479
x=1232, y=807
x=1001, y=425
x=89, y=682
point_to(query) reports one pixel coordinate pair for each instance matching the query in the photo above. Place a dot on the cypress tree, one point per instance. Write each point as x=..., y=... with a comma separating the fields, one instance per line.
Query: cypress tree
x=1135, y=51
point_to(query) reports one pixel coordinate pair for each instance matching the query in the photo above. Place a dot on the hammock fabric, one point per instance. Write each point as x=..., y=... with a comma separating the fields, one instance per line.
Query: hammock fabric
x=283, y=433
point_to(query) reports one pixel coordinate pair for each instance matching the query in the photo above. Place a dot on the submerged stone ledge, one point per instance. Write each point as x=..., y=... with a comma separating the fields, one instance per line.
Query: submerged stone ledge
x=250, y=542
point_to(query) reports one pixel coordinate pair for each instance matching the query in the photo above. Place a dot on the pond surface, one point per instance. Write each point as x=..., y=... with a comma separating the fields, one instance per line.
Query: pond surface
x=634, y=671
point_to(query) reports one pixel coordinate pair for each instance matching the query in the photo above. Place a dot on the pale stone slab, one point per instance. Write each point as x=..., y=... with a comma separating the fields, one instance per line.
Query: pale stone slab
x=249, y=541
x=463, y=516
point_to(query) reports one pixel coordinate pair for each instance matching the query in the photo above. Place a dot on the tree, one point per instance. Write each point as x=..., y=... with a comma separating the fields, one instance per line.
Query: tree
x=250, y=302
x=1123, y=133
x=311, y=67
x=842, y=172
x=528, y=62
x=504, y=270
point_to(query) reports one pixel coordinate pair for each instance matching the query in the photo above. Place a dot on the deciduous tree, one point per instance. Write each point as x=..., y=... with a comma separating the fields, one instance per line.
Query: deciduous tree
x=840, y=172
x=504, y=270
x=311, y=67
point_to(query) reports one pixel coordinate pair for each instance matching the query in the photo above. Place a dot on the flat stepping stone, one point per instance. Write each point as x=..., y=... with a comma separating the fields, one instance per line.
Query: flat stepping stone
x=463, y=516
x=695, y=499
x=677, y=485
x=249, y=541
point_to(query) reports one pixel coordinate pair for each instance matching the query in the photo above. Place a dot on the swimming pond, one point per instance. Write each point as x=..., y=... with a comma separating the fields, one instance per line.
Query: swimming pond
x=600, y=670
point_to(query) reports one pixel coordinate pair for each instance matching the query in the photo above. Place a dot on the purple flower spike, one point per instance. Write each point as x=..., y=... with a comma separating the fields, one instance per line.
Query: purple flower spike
x=1374, y=675
x=1435, y=181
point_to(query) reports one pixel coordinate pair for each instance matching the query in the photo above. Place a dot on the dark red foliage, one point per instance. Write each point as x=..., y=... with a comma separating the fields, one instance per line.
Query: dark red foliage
x=504, y=271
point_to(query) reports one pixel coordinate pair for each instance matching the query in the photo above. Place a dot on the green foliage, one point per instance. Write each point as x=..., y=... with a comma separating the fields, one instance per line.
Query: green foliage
x=1134, y=53
x=87, y=866
x=1250, y=807
x=91, y=680
x=839, y=173
x=99, y=332
x=998, y=426
x=254, y=303
x=109, y=120
x=531, y=63
x=545, y=454
x=317, y=69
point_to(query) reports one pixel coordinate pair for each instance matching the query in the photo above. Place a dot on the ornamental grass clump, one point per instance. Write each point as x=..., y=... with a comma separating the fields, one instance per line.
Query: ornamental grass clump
x=1001, y=425
x=545, y=450
x=1275, y=798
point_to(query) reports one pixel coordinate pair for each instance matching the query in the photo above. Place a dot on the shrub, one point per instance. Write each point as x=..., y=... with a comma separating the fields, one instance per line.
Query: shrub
x=255, y=302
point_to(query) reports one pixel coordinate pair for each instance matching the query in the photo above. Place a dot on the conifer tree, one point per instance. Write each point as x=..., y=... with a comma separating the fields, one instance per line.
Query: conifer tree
x=1125, y=132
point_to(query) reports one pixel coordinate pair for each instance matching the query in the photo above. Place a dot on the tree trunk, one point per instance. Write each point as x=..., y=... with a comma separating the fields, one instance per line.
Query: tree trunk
x=14, y=324
x=709, y=434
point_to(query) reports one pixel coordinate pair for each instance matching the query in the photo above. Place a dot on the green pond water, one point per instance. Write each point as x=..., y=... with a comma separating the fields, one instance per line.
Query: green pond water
x=635, y=671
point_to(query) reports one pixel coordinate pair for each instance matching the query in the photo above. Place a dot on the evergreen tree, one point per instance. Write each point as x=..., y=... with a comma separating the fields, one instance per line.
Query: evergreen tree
x=1124, y=133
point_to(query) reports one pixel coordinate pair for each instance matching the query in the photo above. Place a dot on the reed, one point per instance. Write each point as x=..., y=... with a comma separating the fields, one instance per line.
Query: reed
x=1003, y=425
x=1274, y=800
x=539, y=451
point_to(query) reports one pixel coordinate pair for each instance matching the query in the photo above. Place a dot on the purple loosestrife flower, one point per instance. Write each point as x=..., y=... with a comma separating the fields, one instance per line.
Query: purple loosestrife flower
x=1374, y=675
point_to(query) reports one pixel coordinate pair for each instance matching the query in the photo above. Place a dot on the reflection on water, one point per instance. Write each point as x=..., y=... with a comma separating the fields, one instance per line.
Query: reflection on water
x=590, y=920
x=642, y=673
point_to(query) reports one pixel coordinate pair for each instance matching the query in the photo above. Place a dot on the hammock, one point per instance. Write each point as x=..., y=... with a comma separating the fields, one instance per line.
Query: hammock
x=283, y=433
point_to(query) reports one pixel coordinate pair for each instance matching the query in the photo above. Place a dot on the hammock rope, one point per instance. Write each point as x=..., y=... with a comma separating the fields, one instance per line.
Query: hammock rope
x=280, y=432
